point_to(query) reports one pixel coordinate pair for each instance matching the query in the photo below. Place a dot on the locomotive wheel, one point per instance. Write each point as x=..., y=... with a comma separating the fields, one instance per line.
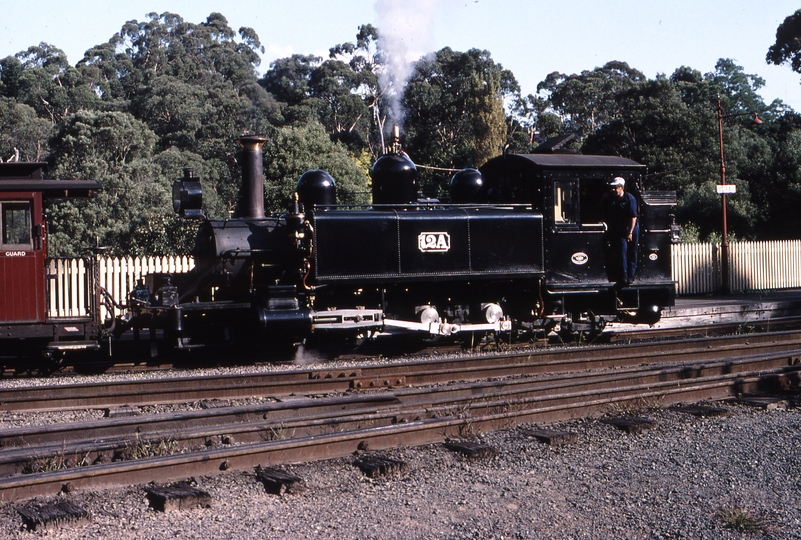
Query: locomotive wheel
x=493, y=342
x=566, y=333
x=361, y=338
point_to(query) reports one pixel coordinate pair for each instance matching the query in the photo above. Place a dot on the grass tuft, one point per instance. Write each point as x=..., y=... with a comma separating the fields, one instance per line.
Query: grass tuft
x=739, y=519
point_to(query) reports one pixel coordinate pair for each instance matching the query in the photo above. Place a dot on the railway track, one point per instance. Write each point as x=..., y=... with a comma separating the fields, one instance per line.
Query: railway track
x=405, y=407
x=747, y=319
x=363, y=377
x=676, y=327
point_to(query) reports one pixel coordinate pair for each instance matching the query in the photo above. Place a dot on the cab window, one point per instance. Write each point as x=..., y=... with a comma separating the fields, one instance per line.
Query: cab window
x=15, y=224
x=578, y=201
x=565, y=202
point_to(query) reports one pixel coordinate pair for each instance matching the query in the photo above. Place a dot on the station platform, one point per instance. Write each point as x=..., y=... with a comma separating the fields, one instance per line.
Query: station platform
x=762, y=308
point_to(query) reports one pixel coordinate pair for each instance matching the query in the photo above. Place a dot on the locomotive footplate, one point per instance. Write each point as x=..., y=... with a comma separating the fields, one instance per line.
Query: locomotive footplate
x=336, y=319
x=82, y=345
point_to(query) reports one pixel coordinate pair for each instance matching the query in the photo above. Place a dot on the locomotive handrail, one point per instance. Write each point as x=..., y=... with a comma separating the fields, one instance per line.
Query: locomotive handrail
x=244, y=253
x=428, y=206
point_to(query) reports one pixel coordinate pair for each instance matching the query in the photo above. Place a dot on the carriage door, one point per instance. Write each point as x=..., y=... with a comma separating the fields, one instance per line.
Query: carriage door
x=575, y=249
x=22, y=281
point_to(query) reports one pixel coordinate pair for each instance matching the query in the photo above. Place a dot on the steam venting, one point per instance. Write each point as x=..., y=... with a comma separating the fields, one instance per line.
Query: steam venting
x=404, y=36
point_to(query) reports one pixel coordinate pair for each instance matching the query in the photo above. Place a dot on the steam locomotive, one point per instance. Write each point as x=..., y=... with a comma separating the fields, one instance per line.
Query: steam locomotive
x=517, y=248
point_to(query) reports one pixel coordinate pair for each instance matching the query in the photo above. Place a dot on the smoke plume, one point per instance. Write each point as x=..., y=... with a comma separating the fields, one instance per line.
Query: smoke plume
x=405, y=30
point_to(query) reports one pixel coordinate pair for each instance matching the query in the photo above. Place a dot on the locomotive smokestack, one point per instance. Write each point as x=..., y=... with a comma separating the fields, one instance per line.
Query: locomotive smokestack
x=251, y=204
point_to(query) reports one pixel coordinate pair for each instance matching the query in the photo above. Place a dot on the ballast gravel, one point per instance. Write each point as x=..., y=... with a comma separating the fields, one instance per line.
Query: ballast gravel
x=722, y=477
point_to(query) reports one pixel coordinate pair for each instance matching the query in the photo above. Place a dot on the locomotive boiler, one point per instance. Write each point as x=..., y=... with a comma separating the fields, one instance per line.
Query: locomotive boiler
x=516, y=247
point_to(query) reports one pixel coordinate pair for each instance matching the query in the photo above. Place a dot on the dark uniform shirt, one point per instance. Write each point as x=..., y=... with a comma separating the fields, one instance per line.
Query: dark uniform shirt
x=617, y=214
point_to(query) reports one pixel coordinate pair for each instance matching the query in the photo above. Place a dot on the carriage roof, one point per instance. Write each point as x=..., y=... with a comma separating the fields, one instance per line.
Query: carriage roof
x=29, y=176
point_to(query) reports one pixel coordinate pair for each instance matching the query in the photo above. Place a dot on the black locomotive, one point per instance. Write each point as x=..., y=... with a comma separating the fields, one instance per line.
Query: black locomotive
x=517, y=248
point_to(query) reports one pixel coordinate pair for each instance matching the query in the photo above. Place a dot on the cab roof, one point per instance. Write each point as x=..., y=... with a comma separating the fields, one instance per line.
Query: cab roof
x=567, y=160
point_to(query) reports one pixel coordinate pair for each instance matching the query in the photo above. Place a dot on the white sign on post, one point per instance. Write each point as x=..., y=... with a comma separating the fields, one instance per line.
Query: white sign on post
x=728, y=189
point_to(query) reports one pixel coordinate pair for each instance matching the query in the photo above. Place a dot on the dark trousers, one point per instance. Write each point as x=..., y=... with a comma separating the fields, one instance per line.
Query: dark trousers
x=621, y=260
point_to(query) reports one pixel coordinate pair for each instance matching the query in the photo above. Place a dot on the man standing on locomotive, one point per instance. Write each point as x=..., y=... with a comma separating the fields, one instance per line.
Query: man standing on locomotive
x=622, y=233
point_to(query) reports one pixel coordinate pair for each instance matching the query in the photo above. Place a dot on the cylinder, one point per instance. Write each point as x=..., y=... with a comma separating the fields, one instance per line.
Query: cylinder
x=251, y=202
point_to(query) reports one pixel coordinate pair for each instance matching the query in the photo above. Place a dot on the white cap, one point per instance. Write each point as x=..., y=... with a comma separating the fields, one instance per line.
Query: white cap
x=618, y=181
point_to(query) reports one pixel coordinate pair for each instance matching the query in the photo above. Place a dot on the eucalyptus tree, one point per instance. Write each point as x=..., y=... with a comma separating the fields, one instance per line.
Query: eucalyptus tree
x=295, y=150
x=341, y=92
x=42, y=78
x=180, y=77
x=787, y=48
x=23, y=135
x=455, y=114
x=531, y=122
x=671, y=125
x=115, y=149
x=586, y=101
x=194, y=85
x=366, y=63
x=288, y=78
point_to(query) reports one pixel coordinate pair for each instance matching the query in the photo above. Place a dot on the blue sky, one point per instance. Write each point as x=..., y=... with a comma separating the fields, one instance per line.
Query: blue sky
x=530, y=37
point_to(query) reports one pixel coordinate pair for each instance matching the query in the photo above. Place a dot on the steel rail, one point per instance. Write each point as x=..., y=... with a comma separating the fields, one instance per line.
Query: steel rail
x=276, y=414
x=317, y=381
x=488, y=416
x=553, y=398
x=281, y=415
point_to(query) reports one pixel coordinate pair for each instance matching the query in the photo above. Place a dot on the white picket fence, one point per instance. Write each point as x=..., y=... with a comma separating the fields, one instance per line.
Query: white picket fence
x=69, y=286
x=70, y=280
x=753, y=266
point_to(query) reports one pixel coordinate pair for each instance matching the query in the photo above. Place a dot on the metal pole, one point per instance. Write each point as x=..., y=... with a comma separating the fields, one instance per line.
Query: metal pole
x=724, y=246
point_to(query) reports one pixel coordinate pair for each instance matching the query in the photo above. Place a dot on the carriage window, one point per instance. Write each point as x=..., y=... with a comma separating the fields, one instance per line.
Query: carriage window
x=15, y=224
x=564, y=201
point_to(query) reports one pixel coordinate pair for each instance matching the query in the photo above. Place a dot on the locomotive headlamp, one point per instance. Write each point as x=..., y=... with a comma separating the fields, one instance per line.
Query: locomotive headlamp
x=187, y=195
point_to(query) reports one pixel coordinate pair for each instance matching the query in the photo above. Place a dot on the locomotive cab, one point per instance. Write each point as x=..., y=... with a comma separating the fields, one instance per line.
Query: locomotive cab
x=569, y=189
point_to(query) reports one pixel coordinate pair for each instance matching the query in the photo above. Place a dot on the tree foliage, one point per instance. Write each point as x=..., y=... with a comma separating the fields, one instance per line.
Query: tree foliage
x=671, y=125
x=23, y=135
x=587, y=101
x=163, y=94
x=454, y=109
x=787, y=49
x=295, y=150
x=341, y=92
